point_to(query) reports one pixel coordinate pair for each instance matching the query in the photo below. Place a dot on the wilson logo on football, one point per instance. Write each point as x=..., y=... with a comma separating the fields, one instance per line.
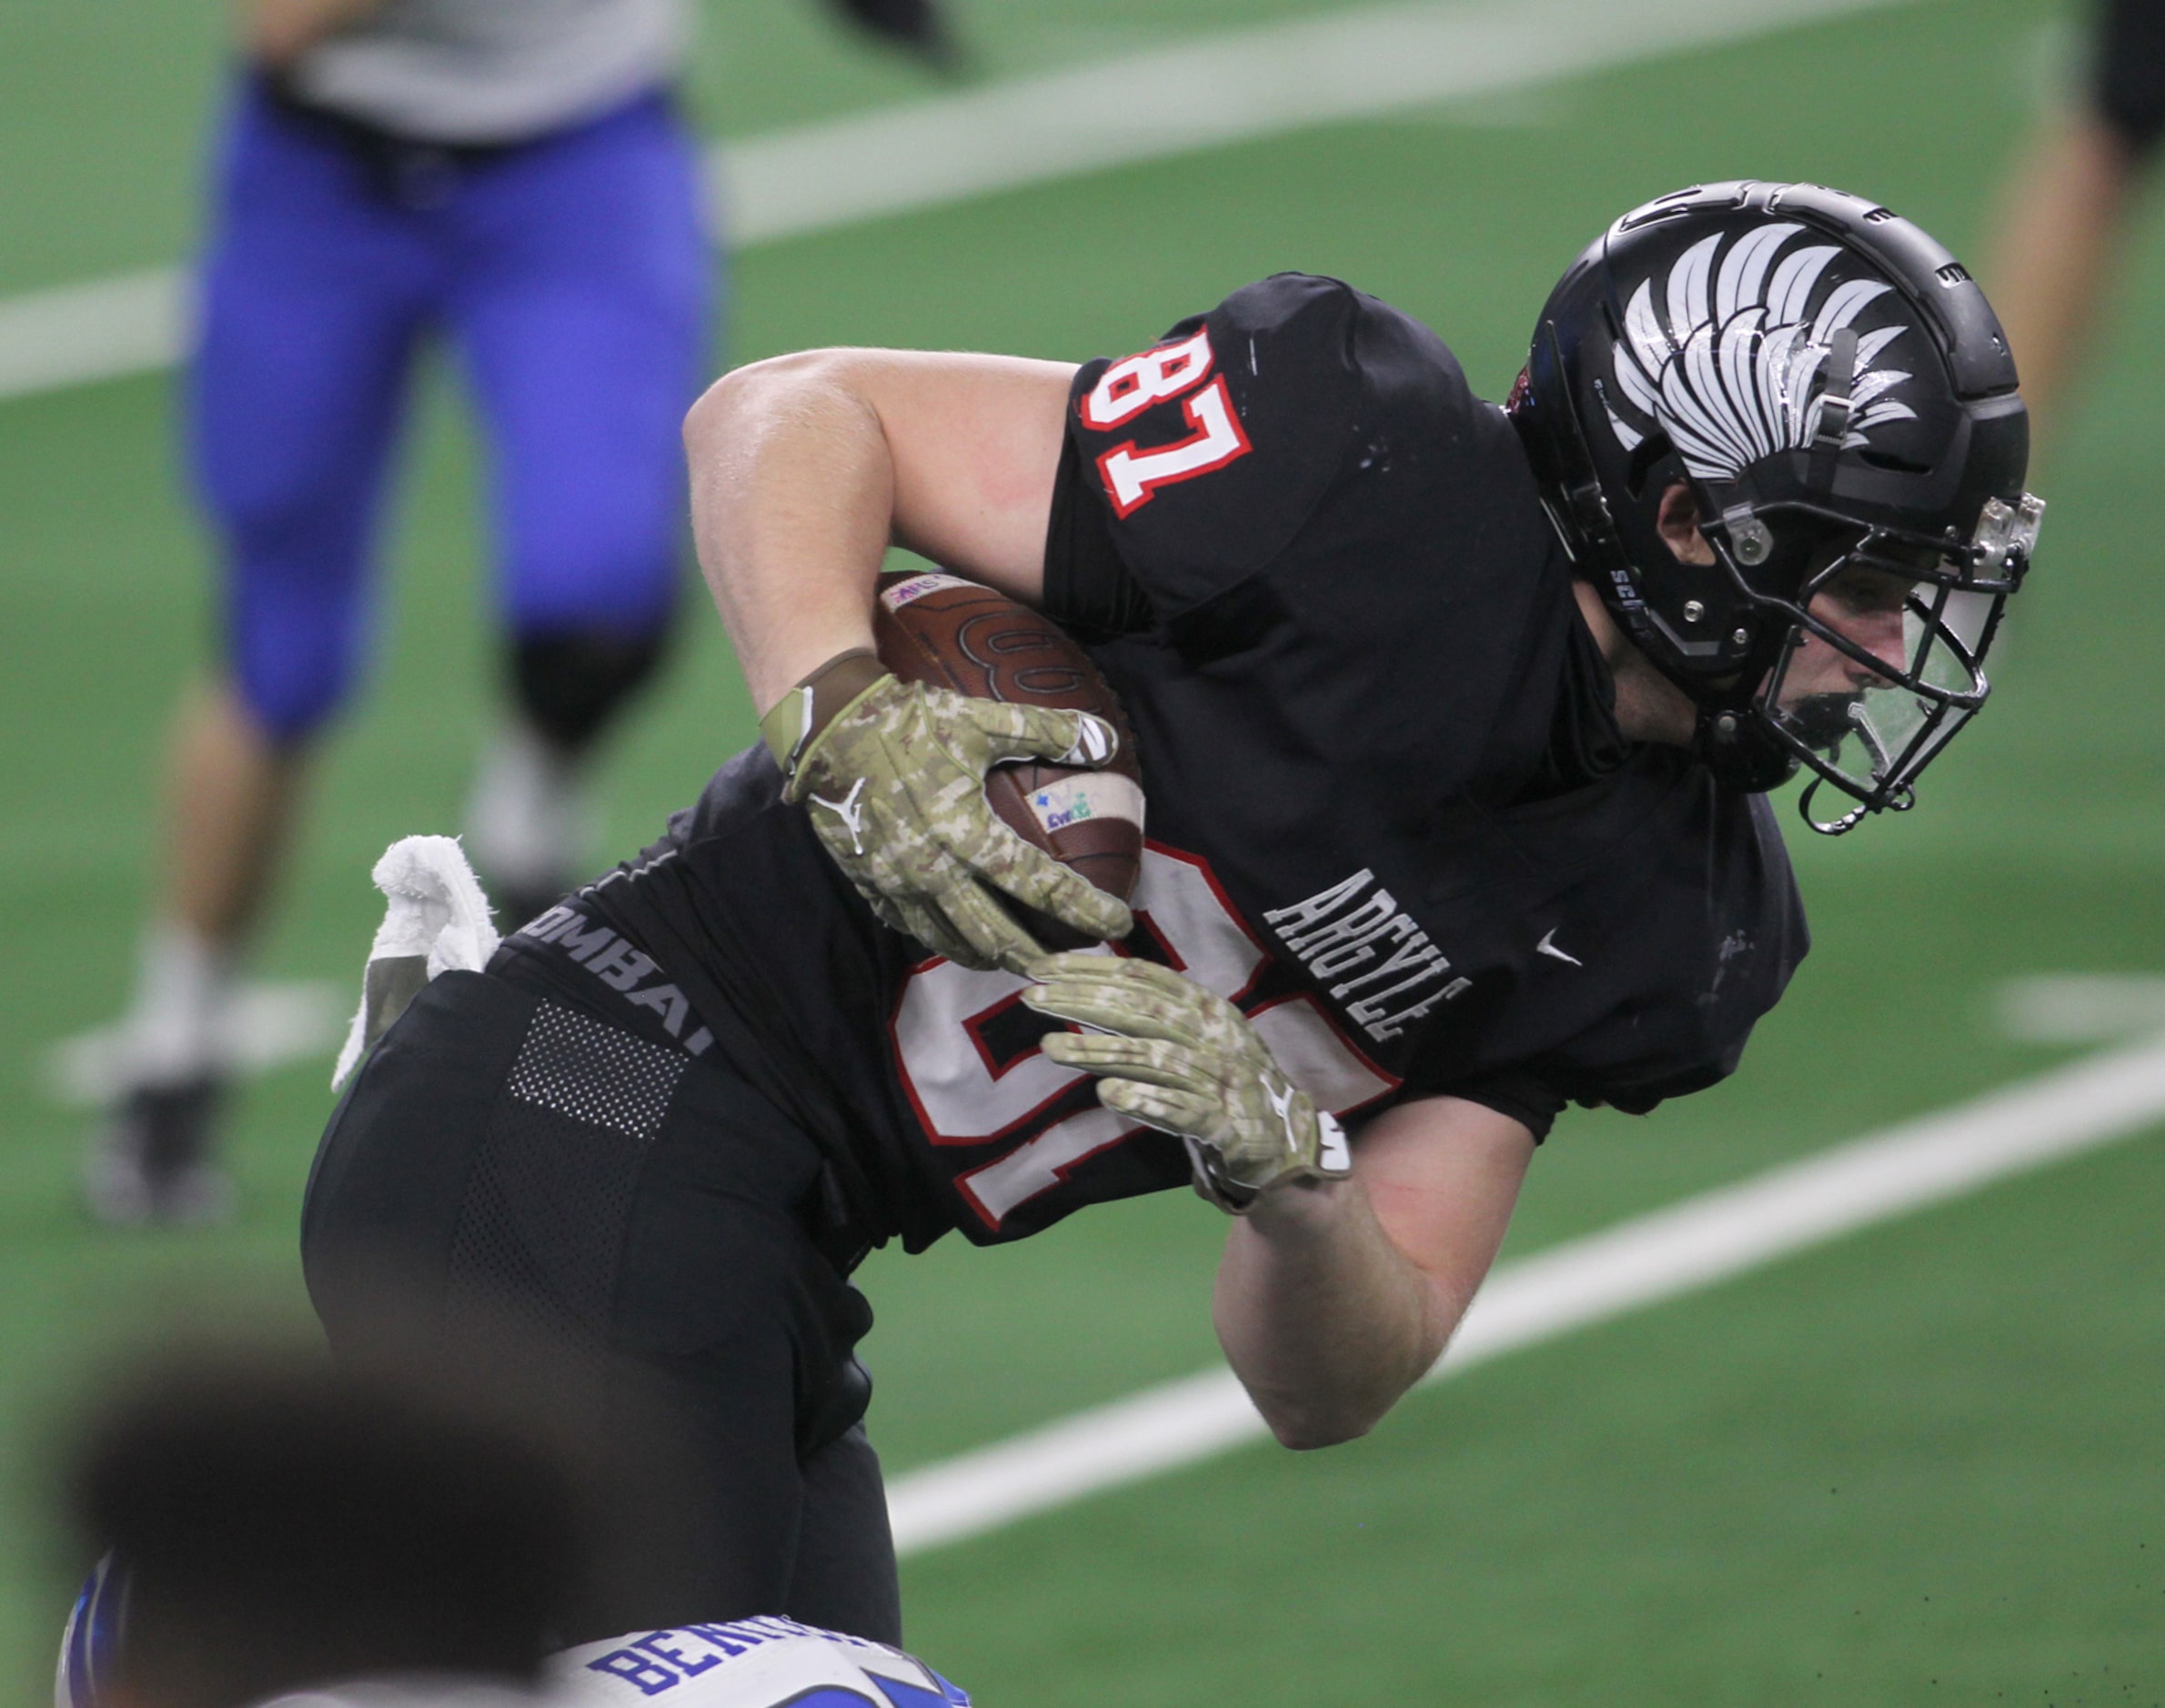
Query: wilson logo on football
x=898, y=594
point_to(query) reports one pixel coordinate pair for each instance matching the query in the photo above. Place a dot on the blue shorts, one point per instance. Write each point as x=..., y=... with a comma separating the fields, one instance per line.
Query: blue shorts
x=571, y=274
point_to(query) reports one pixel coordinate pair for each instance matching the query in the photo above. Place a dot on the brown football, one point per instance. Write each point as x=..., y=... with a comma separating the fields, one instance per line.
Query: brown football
x=950, y=633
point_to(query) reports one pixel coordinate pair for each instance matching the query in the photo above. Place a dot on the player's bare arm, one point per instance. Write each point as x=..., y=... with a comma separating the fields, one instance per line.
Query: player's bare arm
x=802, y=471
x=1334, y=1297
x=274, y=33
x=805, y=468
x=1342, y=1281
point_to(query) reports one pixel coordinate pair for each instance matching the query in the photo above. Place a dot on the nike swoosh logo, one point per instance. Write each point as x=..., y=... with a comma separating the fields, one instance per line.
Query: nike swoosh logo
x=1547, y=945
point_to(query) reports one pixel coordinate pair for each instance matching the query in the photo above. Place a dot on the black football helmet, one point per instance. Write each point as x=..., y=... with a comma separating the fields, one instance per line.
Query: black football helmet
x=1838, y=396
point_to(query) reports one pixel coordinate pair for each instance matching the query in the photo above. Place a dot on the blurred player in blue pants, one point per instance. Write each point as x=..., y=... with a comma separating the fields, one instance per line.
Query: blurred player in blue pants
x=509, y=177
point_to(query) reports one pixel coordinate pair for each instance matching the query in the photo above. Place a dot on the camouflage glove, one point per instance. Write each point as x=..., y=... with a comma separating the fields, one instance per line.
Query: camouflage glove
x=1178, y=1059
x=894, y=775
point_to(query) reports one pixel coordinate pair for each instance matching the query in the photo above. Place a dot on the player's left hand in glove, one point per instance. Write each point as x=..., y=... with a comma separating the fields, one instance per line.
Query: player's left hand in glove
x=1176, y=1057
x=894, y=775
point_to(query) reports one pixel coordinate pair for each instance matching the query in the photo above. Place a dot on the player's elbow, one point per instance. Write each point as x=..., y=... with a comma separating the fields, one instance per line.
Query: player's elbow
x=1305, y=1421
x=1339, y=1401
x=1305, y=1432
x=732, y=410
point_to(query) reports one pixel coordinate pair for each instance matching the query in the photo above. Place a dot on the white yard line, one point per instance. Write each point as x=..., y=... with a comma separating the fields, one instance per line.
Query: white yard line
x=1226, y=88
x=1652, y=1258
x=1218, y=89
x=2081, y=1007
x=103, y=329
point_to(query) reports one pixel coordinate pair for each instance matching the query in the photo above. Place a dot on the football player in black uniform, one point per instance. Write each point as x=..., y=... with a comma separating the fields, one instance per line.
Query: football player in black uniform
x=1456, y=722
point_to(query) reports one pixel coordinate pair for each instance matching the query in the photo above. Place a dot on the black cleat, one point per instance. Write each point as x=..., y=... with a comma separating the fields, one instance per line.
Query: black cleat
x=150, y=1163
x=918, y=27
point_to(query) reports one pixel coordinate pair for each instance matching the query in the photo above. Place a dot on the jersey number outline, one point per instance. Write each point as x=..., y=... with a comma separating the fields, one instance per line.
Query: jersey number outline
x=1133, y=478
x=963, y=1094
x=1136, y=383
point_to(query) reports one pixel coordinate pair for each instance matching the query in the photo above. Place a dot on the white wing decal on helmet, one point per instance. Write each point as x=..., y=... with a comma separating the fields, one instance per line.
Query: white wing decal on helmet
x=1728, y=371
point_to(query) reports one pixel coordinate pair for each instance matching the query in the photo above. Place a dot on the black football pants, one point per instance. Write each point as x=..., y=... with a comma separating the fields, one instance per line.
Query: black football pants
x=509, y=1168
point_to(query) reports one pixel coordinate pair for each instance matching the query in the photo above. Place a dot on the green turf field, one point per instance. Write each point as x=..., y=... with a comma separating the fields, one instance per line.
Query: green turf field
x=1918, y=1465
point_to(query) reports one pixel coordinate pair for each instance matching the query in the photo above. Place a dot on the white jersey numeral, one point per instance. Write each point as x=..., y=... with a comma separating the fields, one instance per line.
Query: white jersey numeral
x=1132, y=384
x=1133, y=478
x=963, y=1095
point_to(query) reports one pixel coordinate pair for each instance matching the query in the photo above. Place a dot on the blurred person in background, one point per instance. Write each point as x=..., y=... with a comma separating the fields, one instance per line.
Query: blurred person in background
x=2071, y=195
x=515, y=178
x=510, y=175
x=268, y=1527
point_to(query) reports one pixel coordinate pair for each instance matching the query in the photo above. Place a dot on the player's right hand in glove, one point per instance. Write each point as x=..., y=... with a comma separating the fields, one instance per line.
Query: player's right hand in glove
x=894, y=775
x=1176, y=1057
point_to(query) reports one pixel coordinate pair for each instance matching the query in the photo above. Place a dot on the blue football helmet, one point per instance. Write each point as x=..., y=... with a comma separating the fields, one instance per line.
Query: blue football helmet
x=90, y=1646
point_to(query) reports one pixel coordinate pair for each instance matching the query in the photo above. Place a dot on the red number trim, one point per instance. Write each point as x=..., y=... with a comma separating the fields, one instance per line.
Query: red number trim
x=1132, y=476
x=1133, y=383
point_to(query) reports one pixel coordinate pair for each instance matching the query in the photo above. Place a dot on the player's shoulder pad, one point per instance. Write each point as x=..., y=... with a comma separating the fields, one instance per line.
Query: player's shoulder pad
x=746, y=1663
x=1213, y=447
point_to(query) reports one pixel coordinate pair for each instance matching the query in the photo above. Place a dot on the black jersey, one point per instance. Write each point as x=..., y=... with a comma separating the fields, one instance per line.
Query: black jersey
x=1390, y=814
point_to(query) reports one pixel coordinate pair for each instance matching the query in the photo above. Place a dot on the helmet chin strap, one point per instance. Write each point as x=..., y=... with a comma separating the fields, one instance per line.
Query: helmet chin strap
x=1744, y=755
